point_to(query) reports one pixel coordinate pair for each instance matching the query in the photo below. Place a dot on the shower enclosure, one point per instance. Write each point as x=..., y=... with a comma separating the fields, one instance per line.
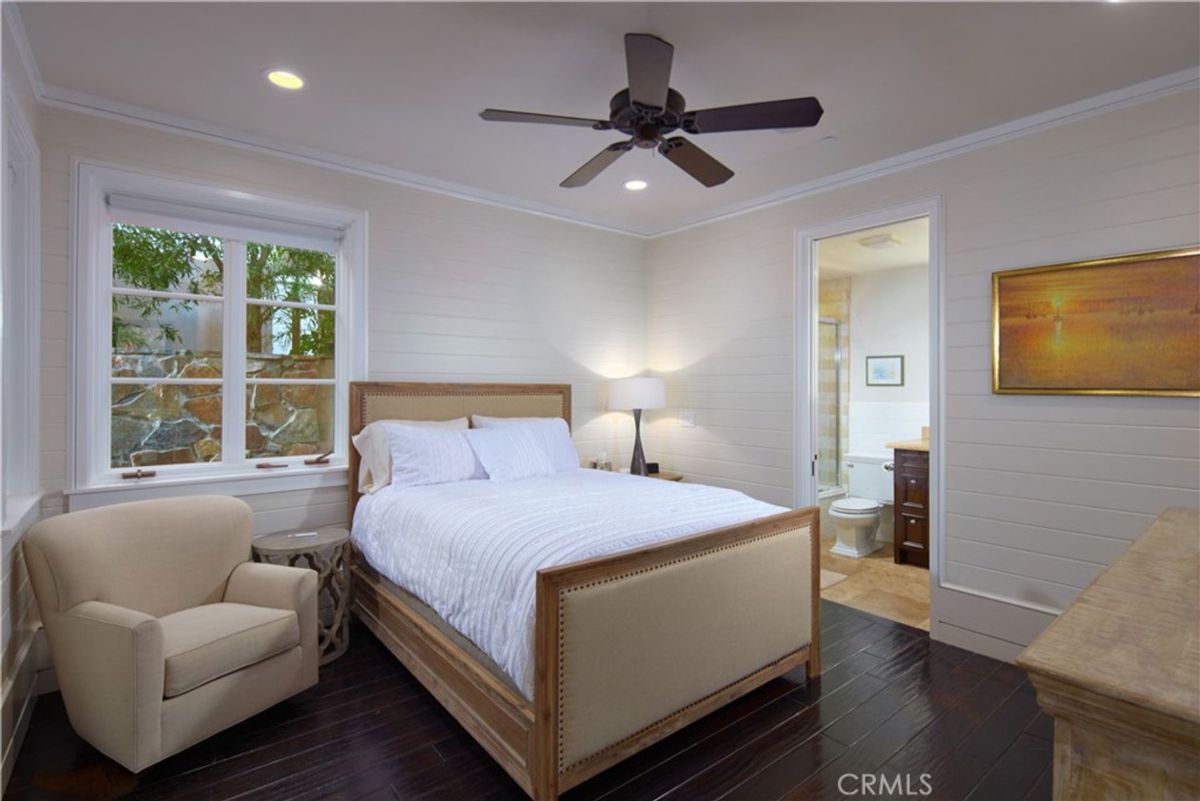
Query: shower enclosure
x=829, y=404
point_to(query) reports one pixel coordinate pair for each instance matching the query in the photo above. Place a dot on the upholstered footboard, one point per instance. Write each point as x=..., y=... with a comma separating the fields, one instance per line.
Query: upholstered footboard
x=635, y=646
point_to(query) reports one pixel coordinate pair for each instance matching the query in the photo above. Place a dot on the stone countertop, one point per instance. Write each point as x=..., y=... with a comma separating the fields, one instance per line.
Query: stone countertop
x=909, y=445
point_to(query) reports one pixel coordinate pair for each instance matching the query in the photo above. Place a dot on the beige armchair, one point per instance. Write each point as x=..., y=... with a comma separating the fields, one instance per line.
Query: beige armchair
x=162, y=630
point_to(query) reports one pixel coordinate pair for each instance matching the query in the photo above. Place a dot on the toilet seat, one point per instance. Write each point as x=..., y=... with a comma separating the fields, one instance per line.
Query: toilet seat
x=856, y=506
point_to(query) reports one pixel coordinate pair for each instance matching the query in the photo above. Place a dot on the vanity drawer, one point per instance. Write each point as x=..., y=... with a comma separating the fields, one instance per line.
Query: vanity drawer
x=913, y=531
x=912, y=539
x=913, y=460
x=912, y=491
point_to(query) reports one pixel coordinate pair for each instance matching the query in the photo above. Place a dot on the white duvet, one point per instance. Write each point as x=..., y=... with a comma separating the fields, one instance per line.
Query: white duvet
x=472, y=549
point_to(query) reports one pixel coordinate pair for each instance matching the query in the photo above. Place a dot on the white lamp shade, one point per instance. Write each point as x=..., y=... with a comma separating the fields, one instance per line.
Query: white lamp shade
x=637, y=393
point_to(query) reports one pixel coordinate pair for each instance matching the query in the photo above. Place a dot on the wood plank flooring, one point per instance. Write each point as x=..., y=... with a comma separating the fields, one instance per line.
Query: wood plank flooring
x=890, y=706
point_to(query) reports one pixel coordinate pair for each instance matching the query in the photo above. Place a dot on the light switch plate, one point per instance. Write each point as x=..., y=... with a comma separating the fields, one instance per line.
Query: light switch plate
x=687, y=420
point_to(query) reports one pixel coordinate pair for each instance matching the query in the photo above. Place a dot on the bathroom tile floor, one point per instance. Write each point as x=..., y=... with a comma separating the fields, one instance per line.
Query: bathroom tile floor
x=877, y=585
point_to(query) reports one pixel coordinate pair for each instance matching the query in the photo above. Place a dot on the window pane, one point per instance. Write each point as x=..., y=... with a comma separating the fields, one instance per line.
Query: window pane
x=288, y=419
x=284, y=342
x=167, y=261
x=278, y=273
x=165, y=424
x=157, y=337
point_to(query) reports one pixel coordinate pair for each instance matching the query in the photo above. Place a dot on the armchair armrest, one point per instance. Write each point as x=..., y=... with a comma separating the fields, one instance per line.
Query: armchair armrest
x=109, y=664
x=278, y=587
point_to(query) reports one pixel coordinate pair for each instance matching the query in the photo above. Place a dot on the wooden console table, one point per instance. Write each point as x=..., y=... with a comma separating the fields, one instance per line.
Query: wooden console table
x=1119, y=671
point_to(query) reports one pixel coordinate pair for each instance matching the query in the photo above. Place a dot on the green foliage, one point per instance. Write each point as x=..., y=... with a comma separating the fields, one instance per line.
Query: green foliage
x=154, y=258
x=292, y=274
x=164, y=260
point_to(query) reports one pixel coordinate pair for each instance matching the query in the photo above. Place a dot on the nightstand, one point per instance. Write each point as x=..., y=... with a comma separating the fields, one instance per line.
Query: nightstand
x=666, y=475
x=328, y=553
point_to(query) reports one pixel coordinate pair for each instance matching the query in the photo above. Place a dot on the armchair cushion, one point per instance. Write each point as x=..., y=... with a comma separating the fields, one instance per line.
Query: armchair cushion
x=210, y=641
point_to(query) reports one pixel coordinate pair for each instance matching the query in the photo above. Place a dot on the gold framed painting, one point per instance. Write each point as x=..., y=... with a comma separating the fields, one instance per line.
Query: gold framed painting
x=1126, y=325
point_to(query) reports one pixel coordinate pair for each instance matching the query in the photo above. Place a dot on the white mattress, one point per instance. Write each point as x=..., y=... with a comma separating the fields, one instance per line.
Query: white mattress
x=472, y=549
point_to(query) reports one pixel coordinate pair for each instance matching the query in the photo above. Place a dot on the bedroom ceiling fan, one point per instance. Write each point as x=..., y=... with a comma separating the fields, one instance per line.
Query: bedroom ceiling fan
x=648, y=109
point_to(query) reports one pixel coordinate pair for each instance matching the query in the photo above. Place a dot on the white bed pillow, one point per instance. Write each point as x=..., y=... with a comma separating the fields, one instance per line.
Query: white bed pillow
x=424, y=455
x=551, y=432
x=375, y=451
x=508, y=453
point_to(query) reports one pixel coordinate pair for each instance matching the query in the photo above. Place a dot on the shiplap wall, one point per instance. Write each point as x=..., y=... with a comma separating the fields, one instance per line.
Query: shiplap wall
x=1042, y=492
x=458, y=291
x=18, y=617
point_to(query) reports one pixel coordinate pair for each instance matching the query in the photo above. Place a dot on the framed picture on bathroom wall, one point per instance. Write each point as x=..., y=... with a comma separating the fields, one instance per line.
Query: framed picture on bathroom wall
x=1126, y=325
x=885, y=371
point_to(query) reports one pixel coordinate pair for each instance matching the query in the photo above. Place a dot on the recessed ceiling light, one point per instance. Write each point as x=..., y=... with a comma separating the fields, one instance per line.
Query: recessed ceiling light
x=636, y=185
x=284, y=79
x=880, y=242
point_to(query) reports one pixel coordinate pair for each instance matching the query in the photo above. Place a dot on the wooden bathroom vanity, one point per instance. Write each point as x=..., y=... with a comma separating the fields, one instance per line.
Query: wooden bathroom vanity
x=910, y=544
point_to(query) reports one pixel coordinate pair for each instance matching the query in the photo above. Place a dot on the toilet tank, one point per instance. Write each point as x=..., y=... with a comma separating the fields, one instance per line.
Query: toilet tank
x=868, y=478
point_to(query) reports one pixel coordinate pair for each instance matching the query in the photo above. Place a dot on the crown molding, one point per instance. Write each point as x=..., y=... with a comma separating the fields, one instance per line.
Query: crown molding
x=72, y=100
x=12, y=19
x=61, y=97
x=1173, y=83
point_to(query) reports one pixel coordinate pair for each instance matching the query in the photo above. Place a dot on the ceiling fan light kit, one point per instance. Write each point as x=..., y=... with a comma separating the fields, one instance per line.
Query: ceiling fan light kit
x=649, y=109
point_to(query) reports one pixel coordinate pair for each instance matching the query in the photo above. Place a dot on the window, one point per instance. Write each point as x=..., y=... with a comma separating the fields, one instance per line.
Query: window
x=221, y=331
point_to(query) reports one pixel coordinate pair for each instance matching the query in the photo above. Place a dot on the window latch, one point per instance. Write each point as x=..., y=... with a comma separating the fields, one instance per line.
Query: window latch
x=139, y=473
x=269, y=465
x=322, y=459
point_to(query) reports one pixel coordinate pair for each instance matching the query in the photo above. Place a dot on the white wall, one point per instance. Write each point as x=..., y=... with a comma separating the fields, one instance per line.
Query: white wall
x=889, y=314
x=1042, y=492
x=458, y=291
x=18, y=617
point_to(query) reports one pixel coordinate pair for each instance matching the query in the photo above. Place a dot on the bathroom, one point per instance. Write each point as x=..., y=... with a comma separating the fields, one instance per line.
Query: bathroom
x=873, y=418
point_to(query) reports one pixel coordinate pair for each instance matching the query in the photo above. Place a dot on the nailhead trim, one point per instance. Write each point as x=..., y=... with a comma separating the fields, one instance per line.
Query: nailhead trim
x=562, y=593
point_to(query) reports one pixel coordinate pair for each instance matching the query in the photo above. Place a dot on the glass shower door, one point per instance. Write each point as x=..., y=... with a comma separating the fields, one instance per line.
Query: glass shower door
x=829, y=435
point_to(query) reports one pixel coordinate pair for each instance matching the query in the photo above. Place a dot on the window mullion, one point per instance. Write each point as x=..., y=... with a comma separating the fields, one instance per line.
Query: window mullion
x=233, y=416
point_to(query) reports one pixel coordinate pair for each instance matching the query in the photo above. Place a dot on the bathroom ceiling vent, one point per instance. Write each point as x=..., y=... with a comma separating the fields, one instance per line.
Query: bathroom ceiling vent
x=880, y=242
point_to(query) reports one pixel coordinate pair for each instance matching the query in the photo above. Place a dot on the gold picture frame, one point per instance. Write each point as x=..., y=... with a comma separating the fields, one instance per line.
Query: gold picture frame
x=1122, y=327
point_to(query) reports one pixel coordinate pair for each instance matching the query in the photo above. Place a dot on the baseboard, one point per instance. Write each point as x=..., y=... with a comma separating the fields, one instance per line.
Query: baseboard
x=985, y=644
x=17, y=700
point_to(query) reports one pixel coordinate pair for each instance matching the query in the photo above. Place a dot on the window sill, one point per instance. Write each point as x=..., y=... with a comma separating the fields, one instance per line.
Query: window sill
x=252, y=482
x=20, y=512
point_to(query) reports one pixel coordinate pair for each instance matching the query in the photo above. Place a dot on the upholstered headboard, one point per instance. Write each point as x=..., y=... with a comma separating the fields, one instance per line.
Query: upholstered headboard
x=382, y=400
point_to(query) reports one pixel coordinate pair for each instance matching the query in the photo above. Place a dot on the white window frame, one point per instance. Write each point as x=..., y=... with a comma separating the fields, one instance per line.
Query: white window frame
x=20, y=321
x=161, y=202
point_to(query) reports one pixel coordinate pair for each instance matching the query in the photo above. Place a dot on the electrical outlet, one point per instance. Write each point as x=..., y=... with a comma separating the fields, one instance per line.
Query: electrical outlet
x=687, y=420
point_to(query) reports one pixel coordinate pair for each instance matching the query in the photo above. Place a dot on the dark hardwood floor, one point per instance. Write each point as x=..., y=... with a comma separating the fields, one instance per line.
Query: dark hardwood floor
x=890, y=707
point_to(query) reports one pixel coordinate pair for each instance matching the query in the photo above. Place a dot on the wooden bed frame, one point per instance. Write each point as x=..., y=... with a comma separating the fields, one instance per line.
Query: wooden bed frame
x=574, y=728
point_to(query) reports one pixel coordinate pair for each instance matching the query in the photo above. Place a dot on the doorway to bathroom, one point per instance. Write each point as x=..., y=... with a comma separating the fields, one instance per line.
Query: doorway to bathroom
x=866, y=400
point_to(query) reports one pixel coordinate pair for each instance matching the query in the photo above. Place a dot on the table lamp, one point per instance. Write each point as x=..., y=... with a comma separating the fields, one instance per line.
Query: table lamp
x=637, y=394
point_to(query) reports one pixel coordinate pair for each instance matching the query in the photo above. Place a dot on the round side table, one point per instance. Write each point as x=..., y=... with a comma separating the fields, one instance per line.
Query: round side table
x=328, y=553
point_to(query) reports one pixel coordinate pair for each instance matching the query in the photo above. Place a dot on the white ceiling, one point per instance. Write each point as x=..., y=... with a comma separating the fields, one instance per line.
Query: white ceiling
x=843, y=255
x=400, y=85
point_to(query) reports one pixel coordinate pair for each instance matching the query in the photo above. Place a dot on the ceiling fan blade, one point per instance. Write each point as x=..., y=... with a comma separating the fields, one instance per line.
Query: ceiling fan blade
x=648, y=61
x=799, y=112
x=596, y=164
x=502, y=115
x=694, y=161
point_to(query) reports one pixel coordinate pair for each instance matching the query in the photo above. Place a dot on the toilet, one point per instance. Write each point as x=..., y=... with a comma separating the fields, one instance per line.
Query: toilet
x=857, y=516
